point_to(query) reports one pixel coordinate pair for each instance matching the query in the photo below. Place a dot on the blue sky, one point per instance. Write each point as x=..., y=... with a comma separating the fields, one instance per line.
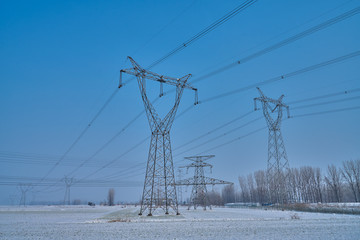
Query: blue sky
x=60, y=62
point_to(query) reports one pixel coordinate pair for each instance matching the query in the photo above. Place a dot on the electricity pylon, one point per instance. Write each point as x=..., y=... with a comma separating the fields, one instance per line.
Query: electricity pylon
x=199, y=181
x=179, y=188
x=159, y=187
x=24, y=188
x=68, y=183
x=278, y=164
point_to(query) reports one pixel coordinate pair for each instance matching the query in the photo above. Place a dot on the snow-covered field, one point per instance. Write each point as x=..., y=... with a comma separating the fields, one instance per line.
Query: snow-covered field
x=84, y=222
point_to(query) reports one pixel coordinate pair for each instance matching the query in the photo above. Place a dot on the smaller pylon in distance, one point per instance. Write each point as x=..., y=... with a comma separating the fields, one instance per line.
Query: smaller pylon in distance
x=199, y=181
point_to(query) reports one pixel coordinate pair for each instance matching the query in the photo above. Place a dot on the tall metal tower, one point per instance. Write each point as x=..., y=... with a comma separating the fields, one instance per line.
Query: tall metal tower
x=24, y=188
x=179, y=188
x=278, y=164
x=68, y=183
x=159, y=187
x=199, y=181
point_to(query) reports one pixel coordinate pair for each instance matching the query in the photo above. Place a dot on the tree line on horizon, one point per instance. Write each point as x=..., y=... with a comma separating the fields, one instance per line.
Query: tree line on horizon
x=302, y=185
x=306, y=185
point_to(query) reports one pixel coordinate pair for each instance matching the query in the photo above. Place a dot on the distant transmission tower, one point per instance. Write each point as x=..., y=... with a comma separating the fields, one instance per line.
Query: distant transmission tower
x=278, y=164
x=159, y=187
x=199, y=181
x=68, y=183
x=24, y=188
x=179, y=188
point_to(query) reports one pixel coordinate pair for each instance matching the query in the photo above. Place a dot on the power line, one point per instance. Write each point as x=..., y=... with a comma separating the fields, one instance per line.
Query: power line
x=214, y=130
x=281, y=77
x=294, y=116
x=310, y=68
x=305, y=106
x=191, y=40
x=218, y=128
x=266, y=50
x=35, y=181
x=112, y=139
x=288, y=75
x=81, y=134
x=278, y=78
x=233, y=140
x=207, y=30
x=237, y=128
x=107, y=143
x=220, y=136
x=325, y=96
x=326, y=112
x=41, y=159
x=164, y=27
x=275, y=46
x=129, y=172
x=328, y=102
x=117, y=158
x=314, y=29
x=282, y=43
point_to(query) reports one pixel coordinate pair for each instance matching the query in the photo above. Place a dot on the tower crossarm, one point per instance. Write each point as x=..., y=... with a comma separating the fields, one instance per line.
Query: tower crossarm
x=213, y=181
x=137, y=70
x=266, y=100
x=197, y=164
x=186, y=182
x=208, y=181
x=200, y=158
x=157, y=124
x=269, y=106
x=199, y=161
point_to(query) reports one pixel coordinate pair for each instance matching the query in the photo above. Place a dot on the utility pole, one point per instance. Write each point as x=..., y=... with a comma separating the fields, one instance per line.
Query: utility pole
x=159, y=187
x=277, y=164
x=199, y=181
x=68, y=182
x=24, y=188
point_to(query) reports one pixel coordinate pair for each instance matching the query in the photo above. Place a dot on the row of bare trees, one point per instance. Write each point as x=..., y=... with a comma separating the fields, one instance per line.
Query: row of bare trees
x=227, y=195
x=306, y=185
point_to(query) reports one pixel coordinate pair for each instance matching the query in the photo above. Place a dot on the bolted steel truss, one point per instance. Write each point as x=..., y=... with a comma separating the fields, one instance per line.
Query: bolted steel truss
x=159, y=187
x=278, y=164
x=68, y=182
x=24, y=188
x=199, y=181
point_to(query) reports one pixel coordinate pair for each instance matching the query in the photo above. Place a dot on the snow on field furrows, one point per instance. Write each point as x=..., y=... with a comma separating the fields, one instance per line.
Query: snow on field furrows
x=119, y=222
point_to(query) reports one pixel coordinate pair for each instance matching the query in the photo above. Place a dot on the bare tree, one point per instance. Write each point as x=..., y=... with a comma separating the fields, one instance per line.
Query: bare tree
x=348, y=174
x=261, y=189
x=308, y=184
x=111, y=196
x=245, y=195
x=292, y=185
x=318, y=183
x=252, y=191
x=333, y=180
x=356, y=171
x=228, y=194
x=215, y=198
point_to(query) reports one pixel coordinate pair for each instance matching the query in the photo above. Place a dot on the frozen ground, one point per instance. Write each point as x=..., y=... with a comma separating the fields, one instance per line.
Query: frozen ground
x=83, y=222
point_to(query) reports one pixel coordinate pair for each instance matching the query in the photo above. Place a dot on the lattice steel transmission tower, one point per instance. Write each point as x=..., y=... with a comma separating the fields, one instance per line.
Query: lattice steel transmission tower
x=159, y=187
x=68, y=182
x=278, y=164
x=199, y=181
x=179, y=188
x=24, y=188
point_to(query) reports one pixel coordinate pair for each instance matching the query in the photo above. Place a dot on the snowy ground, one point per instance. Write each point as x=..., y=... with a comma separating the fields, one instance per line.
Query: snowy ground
x=83, y=222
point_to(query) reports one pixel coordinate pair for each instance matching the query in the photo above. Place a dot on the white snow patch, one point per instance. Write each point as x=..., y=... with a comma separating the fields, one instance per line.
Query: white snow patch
x=82, y=222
